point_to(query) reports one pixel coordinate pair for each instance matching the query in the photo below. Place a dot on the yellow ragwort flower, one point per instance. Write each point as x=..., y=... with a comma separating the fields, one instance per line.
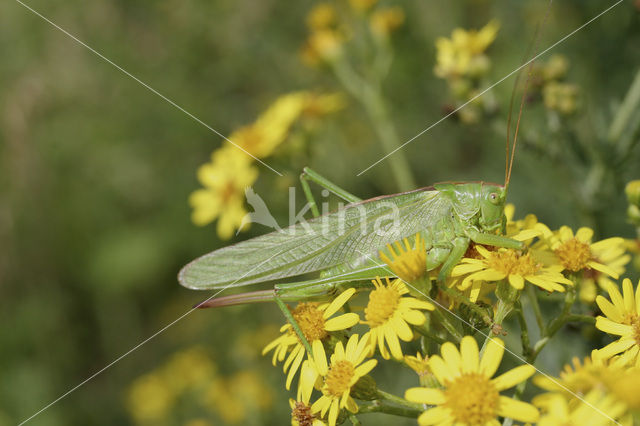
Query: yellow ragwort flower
x=621, y=319
x=224, y=179
x=578, y=378
x=321, y=16
x=408, y=263
x=594, y=409
x=418, y=363
x=385, y=21
x=463, y=54
x=469, y=396
x=315, y=323
x=347, y=365
x=561, y=97
x=389, y=314
x=508, y=264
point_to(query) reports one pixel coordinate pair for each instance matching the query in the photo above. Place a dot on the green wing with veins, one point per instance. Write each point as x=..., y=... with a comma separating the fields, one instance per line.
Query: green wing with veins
x=340, y=239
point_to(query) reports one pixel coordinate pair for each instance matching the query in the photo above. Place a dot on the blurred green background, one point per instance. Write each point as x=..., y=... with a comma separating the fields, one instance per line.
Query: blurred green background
x=95, y=172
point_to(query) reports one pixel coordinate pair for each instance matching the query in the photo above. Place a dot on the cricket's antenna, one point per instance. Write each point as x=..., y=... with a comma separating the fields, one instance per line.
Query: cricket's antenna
x=512, y=151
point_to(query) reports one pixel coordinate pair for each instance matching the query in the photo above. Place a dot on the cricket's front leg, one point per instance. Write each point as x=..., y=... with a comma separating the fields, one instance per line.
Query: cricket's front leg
x=460, y=245
x=494, y=240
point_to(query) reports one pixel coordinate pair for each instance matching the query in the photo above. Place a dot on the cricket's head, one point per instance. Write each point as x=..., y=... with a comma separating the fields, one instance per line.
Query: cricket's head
x=492, y=199
x=479, y=203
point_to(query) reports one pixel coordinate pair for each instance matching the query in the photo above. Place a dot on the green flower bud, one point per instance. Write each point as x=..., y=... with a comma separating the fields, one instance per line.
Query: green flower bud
x=633, y=214
x=633, y=192
x=365, y=389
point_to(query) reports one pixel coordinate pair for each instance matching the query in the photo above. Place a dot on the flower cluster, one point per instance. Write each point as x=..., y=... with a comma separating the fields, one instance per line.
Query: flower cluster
x=462, y=61
x=452, y=329
x=231, y=169
x=557, y=94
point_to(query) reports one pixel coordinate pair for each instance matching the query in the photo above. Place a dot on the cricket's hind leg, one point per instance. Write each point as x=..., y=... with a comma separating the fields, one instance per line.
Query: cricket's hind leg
x=309, y=175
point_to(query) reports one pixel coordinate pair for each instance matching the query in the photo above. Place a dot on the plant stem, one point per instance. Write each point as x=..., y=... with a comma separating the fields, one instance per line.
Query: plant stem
x=370, y=96
x=533, y=298
x=382, y=406
x=399, y=401
x=427, y=333
x=453, y=331
x=524, y=330
x=625, y=111
x=557, y=323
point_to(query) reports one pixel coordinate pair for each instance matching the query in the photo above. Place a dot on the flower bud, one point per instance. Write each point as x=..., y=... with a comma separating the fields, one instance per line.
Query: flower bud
x=633, y=214
x=633, y=192
x=365, y=389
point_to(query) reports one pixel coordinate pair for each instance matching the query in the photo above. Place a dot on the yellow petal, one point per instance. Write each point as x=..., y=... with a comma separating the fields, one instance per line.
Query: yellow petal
x=516, y=281
x=517, y=410
x=611, y=327
x=451, y=356
x=608, y=309
x=294, y=368
x=414, y=317
x=584, y=235
x=342, y=322
x=320, y=358
x=615, y=296
x=614, y=348
x=436, y=416
x=365, y=368
x=603, y=268
x=333, y=412
x=492, y=357
x=338, y=302
x=627, y=295
x=392, y=340
x=401, y=328
x=470, y=354
x=425, y=396
x=440, y=369
x=513, y=377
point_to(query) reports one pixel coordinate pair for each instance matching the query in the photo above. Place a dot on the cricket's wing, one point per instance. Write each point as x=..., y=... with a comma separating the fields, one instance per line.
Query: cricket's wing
x=344, y=237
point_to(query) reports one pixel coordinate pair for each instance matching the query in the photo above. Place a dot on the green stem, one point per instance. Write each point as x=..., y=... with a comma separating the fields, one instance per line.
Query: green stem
x=453, y=331
x=556, y=324
x=424, y=330
x=382, y=406
x=533, y=299
x=625, y=111
x=399, y=401
x=287, y=314
x=524, y=330
x=371, y=98
x=354, y=420
x=504, y=308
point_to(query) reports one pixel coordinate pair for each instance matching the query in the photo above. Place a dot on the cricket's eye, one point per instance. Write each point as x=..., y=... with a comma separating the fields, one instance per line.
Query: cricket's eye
x=494, y=198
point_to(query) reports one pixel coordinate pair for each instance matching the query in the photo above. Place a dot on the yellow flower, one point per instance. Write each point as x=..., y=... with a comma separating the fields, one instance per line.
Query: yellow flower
x=389, y=314
x=595, y=409
x=462, y=54
x=418, y=363
x=362, y=5
x=469, y=395
x=315, y=323
x=224, y=179
x=301, y=414
x=622, y=320
x=578, y=378
x=322, y=45
x=577, y=253
x=408, y=263
x=321, y=16
x=346, y=367
x=149, y=399
x=385, y=21
x=511, y=265
x=561, y=97
x=188, y=368
x=317, y=105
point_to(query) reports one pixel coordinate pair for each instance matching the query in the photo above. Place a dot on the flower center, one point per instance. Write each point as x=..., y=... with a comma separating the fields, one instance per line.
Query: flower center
x=338, y=379
x=301, y=413
x=574, y=254
x=472, y=399
x=407, y=263
x=310, y=320
x=636, y=329
x=510, y=262
x=383, y=302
